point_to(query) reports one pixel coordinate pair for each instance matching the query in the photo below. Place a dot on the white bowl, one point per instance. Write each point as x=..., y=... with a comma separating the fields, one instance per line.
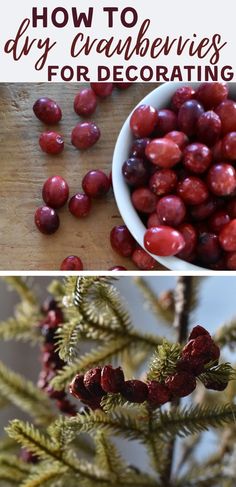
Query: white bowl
x=159, y=98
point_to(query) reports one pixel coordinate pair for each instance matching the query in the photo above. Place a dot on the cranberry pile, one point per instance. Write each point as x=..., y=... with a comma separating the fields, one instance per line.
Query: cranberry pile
x=182, y=176
x=51, y=362
x=200, y=350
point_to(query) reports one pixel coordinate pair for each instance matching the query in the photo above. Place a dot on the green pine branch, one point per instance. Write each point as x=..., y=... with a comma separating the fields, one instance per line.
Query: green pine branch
x=219, y=374
x=164, y=361
x=44, y=475
x=152, y=302
x=23, y=289
x=21, y=328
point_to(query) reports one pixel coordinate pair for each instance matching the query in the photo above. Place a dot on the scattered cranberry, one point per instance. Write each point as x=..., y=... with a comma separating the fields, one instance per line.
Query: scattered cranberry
x=171, y=210
x=135, y=172
x=80, y=205
x=221, y=179
x=227, y=236
x=143, y=260
x=188, y=116
x=211, y=94
x=55, y=192
x=46, y=220
x=163, y=241
x=144, y=200
x=167, y=122
x=85, y=135
x=163, y=152
x=179, y=138
x=47, y=110
x=197, y=157
x=71, y=263
x=209, y=128
x=143, y=121
x=122, y=241
x=51, y=143
x=163, y=181
x=182, y=94
x=192, y=190
x=95, y=183
x=85, y=102
x=227, y=113
x=102, y=89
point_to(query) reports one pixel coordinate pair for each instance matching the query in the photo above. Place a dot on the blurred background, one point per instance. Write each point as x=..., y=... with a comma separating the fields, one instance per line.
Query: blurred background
x=217, y=304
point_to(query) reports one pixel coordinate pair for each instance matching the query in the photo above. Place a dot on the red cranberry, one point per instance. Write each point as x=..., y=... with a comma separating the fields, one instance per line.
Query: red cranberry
x=182, y=94
x=144, y=200
x=46, y=220
x=231, y=208
x=221, y=179
x=135, y=391
x=201, y=347
x=138, y=148
x=218, y=220
x=80, y=205
x=227, y=236
x=167, y=121
x=171, y=210
x=71, y=263
x=188, y=116
x=190, y=238
x=122, y=241
x=163, y=181
x=229, y=146
x=47, y=110
x=84, y=135
x=123, y=86
x=209, y=128
x=179, y=138
x=117, y=268
x=211, y=94
x=51, y=143
x=227, y=113
x=78, y=389
x=181, y=384
x=102, y=89
x=217, y=151
x=55, y=192
x=231, y=261
x=135, y=172
x=158, y=394
x=143, y=120
x=92, y=381
x=197, y=157
x=206, y=209
x=85, y=102
x=208, y=248
x=143, y=260
x=112, y=379
x=153, y=220
x=163, y=241
x=95, y=184
x=194, y=366
x=197, y=331
x=163, y=152
x=192, y=190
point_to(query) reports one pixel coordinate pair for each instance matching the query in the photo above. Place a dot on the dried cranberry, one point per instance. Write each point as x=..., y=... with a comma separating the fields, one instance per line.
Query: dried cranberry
x=78, y=389
x=181, y=383
x=214, y=385
x=112, y=379
x=197, y=331
x=92, y=381
x=158, y=394
x=135, y=391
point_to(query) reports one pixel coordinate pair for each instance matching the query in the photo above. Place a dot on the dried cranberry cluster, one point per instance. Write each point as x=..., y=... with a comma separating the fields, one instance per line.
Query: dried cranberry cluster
x=51, y=362
x=181, y=172
x=199, y=351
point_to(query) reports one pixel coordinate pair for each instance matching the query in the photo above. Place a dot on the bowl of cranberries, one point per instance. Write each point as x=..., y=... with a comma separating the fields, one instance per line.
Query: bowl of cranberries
x=174, y=175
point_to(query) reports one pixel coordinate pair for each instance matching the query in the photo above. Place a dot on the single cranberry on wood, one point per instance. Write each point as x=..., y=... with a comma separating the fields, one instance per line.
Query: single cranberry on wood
x=72, y=263
x=85, y=135
x=55, y=192
x=47, y=111
x=46, y=220
x=51, y=142
x=122, y=241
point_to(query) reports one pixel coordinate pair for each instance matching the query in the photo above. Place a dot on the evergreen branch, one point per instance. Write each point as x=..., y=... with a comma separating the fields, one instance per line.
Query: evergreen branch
x=24, y=394
x=21, y=328
x=19, y=284
x=43, y=474
x=6, y=444
x=219, y=374
x=109, y=458
x=152, y=301
x=226, y=334
x=12, y=461
x=164, y=361
x=110, y=402
x=188, y=421
x=67, y=339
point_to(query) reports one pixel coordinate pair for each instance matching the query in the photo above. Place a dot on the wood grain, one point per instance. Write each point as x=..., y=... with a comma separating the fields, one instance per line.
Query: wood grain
x=24, y=168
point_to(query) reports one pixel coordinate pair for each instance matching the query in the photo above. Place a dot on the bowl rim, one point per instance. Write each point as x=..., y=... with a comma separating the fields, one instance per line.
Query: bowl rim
x=121, y=189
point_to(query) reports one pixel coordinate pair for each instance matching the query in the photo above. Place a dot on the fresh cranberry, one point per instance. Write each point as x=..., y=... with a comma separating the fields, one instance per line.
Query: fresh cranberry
x=229, y=146
x=112, y=379
x=144, y=200
x=71, y=263
x=197, y=157
x=182, y=94
x=143, y=260
x=192, y=190
x=143, y=120
x=206, y=209
x=211, y=94
x=51, y=143
x=135, y=391
x=153, y=220
x=179, y=138
x=85, y=102
x=167, y=121
x=218, y=220
x=227, y=113
x=221, y=179
x=209, y=128
x=46, y=220
x=208, y=248
x=163, y=152
x=163, y=181
x=95, y=184
x=188, y=116
x=135, y=172
x=231, y=208
x=55, y=192
x=47, y=110
x=227, y=236
x=181, y=384
x=163, y=241
x=158, y=394
x=122, y=241
x=80, y=205
x=217, y=151
x=138, y=148
x=85, y=135
x=171, y=210
x=190, y=238
x=102, y=89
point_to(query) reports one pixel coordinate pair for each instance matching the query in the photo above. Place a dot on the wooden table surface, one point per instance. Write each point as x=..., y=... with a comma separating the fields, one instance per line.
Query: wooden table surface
x=24, y=168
